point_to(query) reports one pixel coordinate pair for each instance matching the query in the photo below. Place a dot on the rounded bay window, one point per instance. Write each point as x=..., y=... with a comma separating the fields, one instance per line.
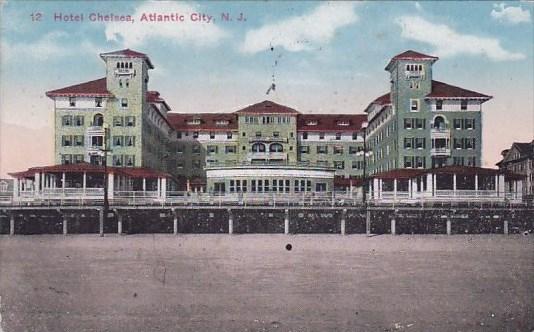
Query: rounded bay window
x=98, y=120
x=258, y=147
x=276, y=147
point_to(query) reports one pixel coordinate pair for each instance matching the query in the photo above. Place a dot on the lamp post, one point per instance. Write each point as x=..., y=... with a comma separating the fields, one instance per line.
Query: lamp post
x=105, y=150
x=365, y=154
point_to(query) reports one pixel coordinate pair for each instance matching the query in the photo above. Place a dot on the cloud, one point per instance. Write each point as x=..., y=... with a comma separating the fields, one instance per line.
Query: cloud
x=186, y=32
x=447, y=42
x=513, y=15
x=300, y=33
x=51, y=45
x=418, y=6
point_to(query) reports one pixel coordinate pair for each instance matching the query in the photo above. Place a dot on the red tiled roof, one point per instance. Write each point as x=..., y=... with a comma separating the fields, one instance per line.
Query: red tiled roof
x=401, y=173
x=128, y=53
x=464, y=170
x=342, y=182
x=384, y=99
x=134, y=172
x=208, y=121
x=444, y=90
x=267, y=107
x=155, y=109
x=96, y=88
x=411, y=55
x=330, y=122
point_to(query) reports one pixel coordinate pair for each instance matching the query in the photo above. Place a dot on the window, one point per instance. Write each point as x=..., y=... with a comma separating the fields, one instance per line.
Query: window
x=469, y=143
x=194, y=122
x=66, y=120
x=322, y=149
x=420, y=162
x=129, y=140
x=458, y=161
x=78, y=140
x=258, y=147
x=463, y=105
x=98, y=120
x=304, y=149
x=178, y=134
x=408, y=142
x=229, y=135
x=118, y=140
x=98, y=102
x=180, y=164
x=195, y=149
x=305, y=135
x=276, y=134
x=97, y=141
x=339, y=164
x=212, y=135
x=127, y=83
x=458, y=143
x=78, y=120
x=212, y=149
x=276, y=147
x=124, y=102
x=72, y=101
x=321, y=135
x=338, y=149
x=118, y=121
x=354, y=149
x=414, y=105
x=357, y=164
x=130, y=121
x=244, y=134
x=420, y=123
x=130, y=160
x=78, y=158
x=469, y=124
x=408, y=123
x=439, y=104
x=408, y=162
x=471, y=161
x=457, y=124
x=258, y=134
x=230, y=149
x=221, y=122
x=66, y=159
x=179, y=149
x=195, y=134
x=338, y=136
x=118, y=160
x=120, y=83
x=66, y=140
x=420, y=143
x=355, y=135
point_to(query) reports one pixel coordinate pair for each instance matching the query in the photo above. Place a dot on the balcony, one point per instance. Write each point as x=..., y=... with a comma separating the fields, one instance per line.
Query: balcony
x=440, y=151
x=440, y=133
x=414, y=74
x=266, y=156
x=124, y=72
x=267, y=139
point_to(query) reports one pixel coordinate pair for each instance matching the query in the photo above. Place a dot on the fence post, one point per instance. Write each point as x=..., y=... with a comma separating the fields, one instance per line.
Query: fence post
x=230, y=222
x=393, y=230
x=505, y=227
x=286, y=221
x=343, y=221
x=368, y=222
x=12, y=224
x=175, y=222
x=119, y=222
x=449, y=226
x=65, y=224
x=101, y=221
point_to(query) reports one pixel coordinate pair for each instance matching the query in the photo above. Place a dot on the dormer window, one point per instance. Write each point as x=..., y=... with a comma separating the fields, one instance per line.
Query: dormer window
x=414, y=71
x=439, y=104
x=311, y=123
x=72, y=101
x=463, y=105
x=124, y=102
x=221, y=122
x=193, y=122
x=98, y=102
x=343, y=123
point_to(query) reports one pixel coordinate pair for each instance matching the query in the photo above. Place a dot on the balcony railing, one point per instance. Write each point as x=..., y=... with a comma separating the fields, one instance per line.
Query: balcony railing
x=414, y=74
x=267, y=139
x=440, y=151
x=267, y=155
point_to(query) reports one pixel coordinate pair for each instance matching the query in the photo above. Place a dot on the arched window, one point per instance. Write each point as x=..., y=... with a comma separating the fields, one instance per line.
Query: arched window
x=122, y=64
x=130, y=65
x=98, y=120
x=276, y=147
x=439, y=122
x=258, y=147
x=118, y=65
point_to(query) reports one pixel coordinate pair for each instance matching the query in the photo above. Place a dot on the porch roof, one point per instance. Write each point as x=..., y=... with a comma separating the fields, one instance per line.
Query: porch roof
x=132, y=172
x=408, y=173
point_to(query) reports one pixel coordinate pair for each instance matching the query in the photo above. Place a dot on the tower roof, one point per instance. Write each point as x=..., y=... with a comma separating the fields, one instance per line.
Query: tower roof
x=410, y=55
x=96, y=88
x=267, y=107
x=128, y=53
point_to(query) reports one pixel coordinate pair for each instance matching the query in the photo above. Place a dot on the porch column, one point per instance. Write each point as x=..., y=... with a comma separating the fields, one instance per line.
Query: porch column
x=110, y=185
x=12, y=224
x=163, y=188
x=454, y=184
x=16, y=187
x=497, y=185
x=394, y=189
x=175, y=222
x=63, y=181
x=429, y=184
x=65, y=224
x=144, y=184
x=343, y=222
x=375, y=188
x=476, y=184
x=43, y=179
x=393, y=230
x=501, y=184
x=410, y=186
x=84, y=184
x=159, y=187
x=37, y=182
x=286, y=221
x=434, y=184
x=519, y=191
x=380, y=183
x=230, y=221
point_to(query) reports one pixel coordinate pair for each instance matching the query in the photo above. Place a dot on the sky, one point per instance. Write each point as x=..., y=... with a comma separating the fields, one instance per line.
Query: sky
x=325, y=58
